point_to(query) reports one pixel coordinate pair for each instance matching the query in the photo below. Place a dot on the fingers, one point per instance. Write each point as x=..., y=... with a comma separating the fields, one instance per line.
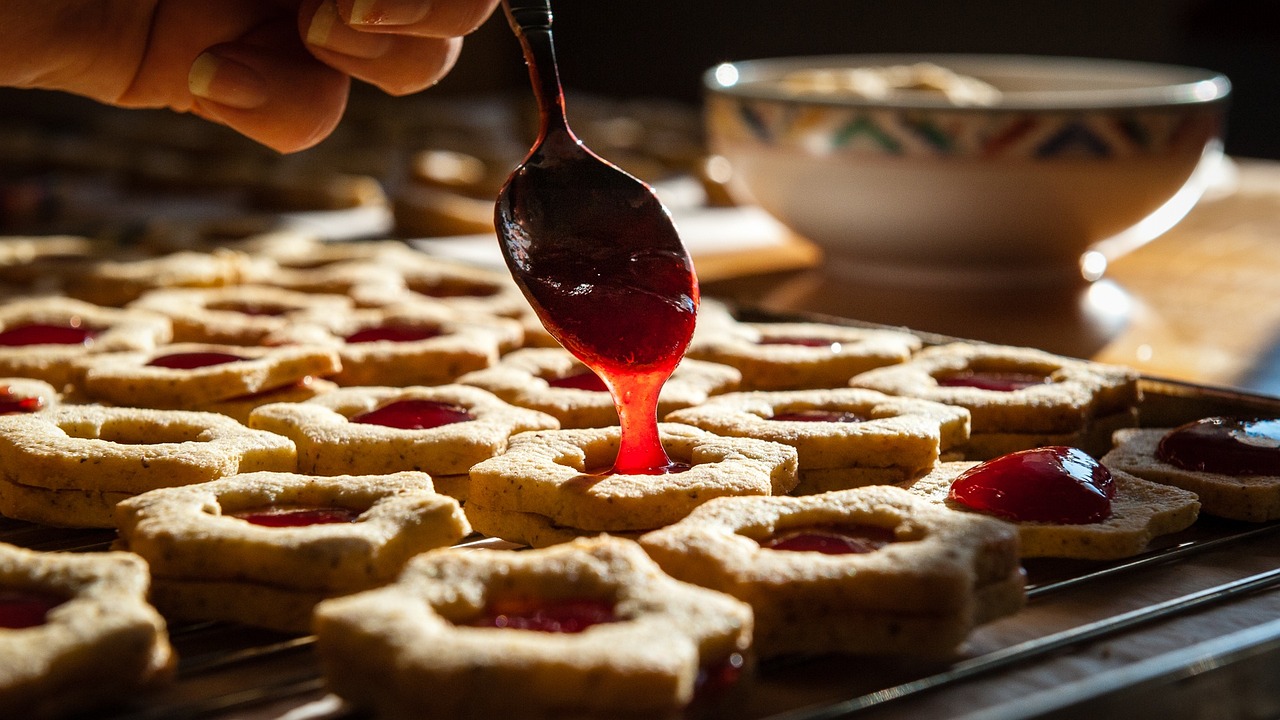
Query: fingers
x=268, y=87
x=399, y=64
x=422, y=18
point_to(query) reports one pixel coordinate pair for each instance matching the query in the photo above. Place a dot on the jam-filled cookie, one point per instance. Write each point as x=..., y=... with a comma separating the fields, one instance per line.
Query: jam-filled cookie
x=20, y=396
x=237, y=314
x=263, y=548
x=844, y=437
x=462, y=287
x=43, y=338
x=1018, y=397
x=565, y=476
x=1231, y=463
x=119, y=282
x=1065, y=503
x=71, y=465
x=553, y=381
x=587, y=629
x=871, y=570
x=40, y=263
x=197, y=376
x=409, y=344
x=798, y=356
x=76, y=633
x=441, y=430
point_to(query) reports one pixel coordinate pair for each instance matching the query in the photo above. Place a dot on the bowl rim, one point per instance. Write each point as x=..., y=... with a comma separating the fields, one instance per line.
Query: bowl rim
x=1168, y=86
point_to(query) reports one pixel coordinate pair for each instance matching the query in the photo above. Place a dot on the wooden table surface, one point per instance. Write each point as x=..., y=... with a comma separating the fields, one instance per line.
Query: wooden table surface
x=1200, y=303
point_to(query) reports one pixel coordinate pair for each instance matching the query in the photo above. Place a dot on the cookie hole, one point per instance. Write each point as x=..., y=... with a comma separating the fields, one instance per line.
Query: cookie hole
x=138, y=433
x=12, y=403
x=802, y=341
x=193, y=360
x=830, y=538
x=23, y=608
x=453, y=287
x=251, y=309
x=414, y=415
x=73, y=331
x=996, y=376
x=812, y=414
x=286, y=515
x=548, y=615
x=394, y=332
x=583, y=379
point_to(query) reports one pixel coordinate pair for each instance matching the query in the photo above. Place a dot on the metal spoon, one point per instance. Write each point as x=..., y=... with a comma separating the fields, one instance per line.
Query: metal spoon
x=597, y=255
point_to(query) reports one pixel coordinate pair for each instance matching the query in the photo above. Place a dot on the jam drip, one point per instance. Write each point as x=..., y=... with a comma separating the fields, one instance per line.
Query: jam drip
x=569, y=615
x=73, y=333
x=585, y=380
x=11, y=404
x=414, y=415
x=193, y=360
x=1054, y=484
x=996, y=381
x=297, y=516
x=22, y=609
x=1226, y=446
x=818, y=416
x=831, y=539
x=392, y=333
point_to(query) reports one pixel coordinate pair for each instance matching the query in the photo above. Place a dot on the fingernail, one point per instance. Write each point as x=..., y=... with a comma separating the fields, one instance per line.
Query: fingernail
x=388, y=12
x=226, y=82
x=329, y=32
x=322, y=24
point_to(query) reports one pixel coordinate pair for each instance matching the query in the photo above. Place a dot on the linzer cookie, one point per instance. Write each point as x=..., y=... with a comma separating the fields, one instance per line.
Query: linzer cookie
x=565, y=477
x=43, y=337
x=554, y=382
x=40, y=263
x=19, y=396
x=76, y=633
x=1065, y=503
x=116, y=283
x=588, y=629
x=465, y=288
x=263, y=548
x=441, y=430
x=408, y=344
x=1018, y=398
x=70, y=465
x=798, y=356
x=1231, y=463
x=197, y=376
x=872, y=570
x=845, y=437
x=238, y=314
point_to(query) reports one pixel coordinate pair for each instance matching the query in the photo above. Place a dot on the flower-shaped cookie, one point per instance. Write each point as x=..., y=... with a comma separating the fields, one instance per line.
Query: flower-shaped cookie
x=844, y=437
x=466, y=288
x=564, y=476
x=263, y=548
x=441, y=430
x=43, y=337
x=116, y=283
x=1139, y=511
x=871, y=570
x=76, y=632
x=587, y=629
x=553, y=381
x=69, y=466
x=797, y=356
x=1018, y=397
x=237, y=314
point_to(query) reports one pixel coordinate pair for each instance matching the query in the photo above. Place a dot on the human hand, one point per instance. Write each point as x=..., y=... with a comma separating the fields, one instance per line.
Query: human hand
x=277, y=71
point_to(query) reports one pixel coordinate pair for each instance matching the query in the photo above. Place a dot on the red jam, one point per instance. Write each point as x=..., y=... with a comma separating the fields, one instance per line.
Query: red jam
x=1226, y=446
x=831, y=539
x=553, y=616
x=585, y=380
x=393, y=333
x=997, y=381
x=818, y=416
x=73, y=333
x=716, y=679
x=11, y=404
x=813, y=342
x=193, y=360
x=296, y=516
x=22, y=609
x=1051, y=484
x=414, y=415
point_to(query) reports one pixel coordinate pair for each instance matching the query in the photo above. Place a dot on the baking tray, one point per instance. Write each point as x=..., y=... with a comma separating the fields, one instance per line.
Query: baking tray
x=1189, y=629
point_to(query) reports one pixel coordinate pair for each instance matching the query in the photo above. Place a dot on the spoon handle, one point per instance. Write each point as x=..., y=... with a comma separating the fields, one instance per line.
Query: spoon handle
x=531, y=22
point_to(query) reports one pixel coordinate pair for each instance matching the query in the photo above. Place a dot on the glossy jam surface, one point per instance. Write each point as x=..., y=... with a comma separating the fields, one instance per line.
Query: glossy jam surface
x=585, y=380
x=23, y=609
x=12, y=404
x=393, y=333
x=813, y=342
x=193, y=360
x=818, y=416
x=414, y=415
x=1054, y=484
x=73, y=333
x=1226, y=446
x=831, y=539
x=568, y=615
x=297, y=516
x=992, y=380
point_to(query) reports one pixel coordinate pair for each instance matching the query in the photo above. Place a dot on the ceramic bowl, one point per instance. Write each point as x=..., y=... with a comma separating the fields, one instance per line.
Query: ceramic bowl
x=1026, y=184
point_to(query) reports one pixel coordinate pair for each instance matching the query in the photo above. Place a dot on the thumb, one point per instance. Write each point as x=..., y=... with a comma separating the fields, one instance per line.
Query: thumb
x=266, y=86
